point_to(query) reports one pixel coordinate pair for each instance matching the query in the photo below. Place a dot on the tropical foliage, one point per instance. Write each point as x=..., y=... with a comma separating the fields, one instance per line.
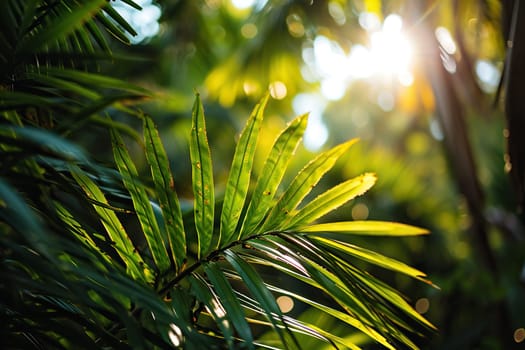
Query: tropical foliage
x=96, y=253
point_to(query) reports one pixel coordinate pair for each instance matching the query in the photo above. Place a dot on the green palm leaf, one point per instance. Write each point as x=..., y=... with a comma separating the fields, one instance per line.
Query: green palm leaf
x=69, y=20
x=164, y=188
x=202, y=179
x=239, y=177
x=230, y=302
x=261, y=293
x=331, y=200
x=113, y=226
x=141, y=203
x=370, y=256
x=272, y=173
x=365, y=228
x=214, y=306
x=302, y=184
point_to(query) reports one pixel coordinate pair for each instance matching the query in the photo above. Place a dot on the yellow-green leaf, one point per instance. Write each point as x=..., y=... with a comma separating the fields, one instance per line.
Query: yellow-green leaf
x=365, y=228
x=272, y=174
x=331, y=199
x=303, y=183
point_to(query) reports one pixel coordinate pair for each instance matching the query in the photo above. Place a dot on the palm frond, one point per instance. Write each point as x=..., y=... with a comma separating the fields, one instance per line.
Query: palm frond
x=226, y=280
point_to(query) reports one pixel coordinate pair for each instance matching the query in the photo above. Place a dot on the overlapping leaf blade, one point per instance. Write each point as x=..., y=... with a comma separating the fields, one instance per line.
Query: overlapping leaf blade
x=240, y=172
x=230, y=302
x=272, y=173
x=202, y=179
x=61, y=27
x=260, y=292
x=370, y=256
x=214, y=305
x=113, y=226
x=141, y=202
x=331, y=199
x=302, y=184
x=164, y=188
x=342, y=316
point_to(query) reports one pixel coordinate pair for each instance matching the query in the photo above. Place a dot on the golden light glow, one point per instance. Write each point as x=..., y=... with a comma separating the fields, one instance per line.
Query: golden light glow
x=390, y=49
x=278, y=90
x=519, y=335
x=422, y=305
x=388, y=56
x=285, y=303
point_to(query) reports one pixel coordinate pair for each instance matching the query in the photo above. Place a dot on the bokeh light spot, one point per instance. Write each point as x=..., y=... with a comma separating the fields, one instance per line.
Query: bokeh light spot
x=360, y=212
x=175, y=335
x=422, y=305
x=519, y=335
x=285, y=303
x=249, y=30
x=278, y=90
x=295, y=25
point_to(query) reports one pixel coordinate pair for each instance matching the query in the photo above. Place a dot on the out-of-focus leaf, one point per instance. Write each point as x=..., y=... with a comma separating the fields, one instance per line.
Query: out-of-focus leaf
x=365, y=228
x=95, y=80
x=112, y=28
x=272, y=174
x=239, y=177
x=64, y=25
x=260, y=292
x=63, y=84
x=230, y=302
x=15, y=212
x=202, y=179
x=332, y=199
x=41, y=142
x=93, y=29
x=164, y=188
x=76, y=228
x=302, y=184
x=141, y=203
x=118, y=18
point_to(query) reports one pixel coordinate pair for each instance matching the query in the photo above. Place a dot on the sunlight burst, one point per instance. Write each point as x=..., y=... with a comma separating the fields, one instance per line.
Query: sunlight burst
x=387, y=55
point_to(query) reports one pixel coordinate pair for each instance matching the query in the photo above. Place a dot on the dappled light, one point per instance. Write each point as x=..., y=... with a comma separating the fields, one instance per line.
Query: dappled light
x=262, y=174
x=387, y=56
x=285, y=303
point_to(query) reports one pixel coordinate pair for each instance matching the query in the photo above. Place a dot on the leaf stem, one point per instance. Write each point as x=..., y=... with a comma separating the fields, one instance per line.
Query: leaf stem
x=210, y=257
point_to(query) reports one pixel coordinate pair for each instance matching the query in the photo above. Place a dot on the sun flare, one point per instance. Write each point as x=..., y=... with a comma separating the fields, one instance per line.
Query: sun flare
x=387, y=55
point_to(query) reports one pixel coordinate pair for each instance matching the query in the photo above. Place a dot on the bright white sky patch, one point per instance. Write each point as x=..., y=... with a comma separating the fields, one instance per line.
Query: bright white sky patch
x=390, y=49
x=145, y=21
x=387, y=55
x=316, y=133
x=246, y=4
x=243, y=4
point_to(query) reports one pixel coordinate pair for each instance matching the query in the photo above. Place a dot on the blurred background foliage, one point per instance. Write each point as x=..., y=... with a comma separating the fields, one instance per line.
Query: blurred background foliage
x=419, y=82
x=430, y=87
